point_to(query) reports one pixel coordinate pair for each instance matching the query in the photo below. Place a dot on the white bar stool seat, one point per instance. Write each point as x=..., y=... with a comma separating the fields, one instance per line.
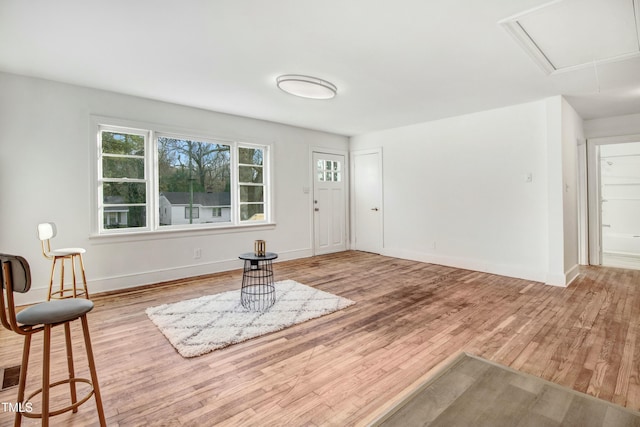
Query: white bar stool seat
x=47, y=231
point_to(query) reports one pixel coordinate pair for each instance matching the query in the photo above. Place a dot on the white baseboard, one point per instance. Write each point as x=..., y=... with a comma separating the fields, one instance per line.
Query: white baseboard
x=572, y=274
x=565, y=279
x=621, y=260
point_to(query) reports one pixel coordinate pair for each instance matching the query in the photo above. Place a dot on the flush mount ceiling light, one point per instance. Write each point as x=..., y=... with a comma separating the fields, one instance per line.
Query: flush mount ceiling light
x=306, y=86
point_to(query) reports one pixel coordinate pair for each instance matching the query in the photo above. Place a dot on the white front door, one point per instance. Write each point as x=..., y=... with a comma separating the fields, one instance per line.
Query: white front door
x=329, y=203
x=366, y=171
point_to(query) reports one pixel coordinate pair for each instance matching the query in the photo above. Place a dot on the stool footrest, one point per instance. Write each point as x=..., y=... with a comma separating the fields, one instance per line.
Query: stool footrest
x=71, y=407
x=59, y=294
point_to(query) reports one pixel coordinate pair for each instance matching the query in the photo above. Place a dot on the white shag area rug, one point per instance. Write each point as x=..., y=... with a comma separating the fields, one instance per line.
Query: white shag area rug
x=200, y=325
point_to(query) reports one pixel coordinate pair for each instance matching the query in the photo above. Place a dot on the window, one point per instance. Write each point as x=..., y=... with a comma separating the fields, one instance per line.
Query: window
x=329, y=170
x=123, y=184
x=194, y=173
x=191, y=213
x=150, y=180
x=251, y=173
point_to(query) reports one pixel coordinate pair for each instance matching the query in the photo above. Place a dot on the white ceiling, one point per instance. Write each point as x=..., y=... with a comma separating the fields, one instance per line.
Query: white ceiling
x=395, y=63
x=567, y=34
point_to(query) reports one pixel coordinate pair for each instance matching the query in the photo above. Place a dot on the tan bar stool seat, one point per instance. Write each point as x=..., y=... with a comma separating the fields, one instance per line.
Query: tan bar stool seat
x=47, y=231
x=16, y=277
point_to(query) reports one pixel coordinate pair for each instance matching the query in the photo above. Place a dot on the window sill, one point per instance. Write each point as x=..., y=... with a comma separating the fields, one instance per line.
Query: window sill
x=177, y=233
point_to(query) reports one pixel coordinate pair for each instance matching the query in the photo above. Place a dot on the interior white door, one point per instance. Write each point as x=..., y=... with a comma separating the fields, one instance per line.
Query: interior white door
x=620, y=204
x=367, y=194
x=329, y=203
x=614, y=201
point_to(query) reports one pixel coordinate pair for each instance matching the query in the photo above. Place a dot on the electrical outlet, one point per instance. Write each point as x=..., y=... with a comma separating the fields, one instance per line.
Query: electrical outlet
x=197, y=253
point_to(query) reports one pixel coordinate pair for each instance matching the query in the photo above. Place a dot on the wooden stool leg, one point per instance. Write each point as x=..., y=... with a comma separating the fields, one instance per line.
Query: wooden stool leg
x=92, y=369
x=84, y=277
x=73, y=275
x=45, y=375
x=62, y=278
x=72, y=375
x=53, y=270
x=23, y=377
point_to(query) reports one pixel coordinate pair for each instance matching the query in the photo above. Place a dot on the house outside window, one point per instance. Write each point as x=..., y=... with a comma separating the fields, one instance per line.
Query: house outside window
x=157, y=180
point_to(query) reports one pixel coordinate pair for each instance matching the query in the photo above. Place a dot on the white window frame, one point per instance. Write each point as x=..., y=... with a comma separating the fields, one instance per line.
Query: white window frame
x=236, y=181
x=100, y=180
x=151, y=134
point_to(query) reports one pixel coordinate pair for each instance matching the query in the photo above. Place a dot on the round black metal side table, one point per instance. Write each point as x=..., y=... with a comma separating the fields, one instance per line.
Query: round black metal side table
x=258, y=291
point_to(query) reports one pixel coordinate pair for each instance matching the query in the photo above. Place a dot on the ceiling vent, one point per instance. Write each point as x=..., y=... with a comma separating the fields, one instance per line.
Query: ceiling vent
x=566, y=35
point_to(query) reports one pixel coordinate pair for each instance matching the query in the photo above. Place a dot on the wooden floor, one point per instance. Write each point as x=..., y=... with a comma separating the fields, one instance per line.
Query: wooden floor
x=344, y=368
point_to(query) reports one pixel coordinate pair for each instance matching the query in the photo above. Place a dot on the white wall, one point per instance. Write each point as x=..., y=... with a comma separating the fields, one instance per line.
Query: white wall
x=45, y=145
x=456, y=191
x=612, y=126
x=572, y=136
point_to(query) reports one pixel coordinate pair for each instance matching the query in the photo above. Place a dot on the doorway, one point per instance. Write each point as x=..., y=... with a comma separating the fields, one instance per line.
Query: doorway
x=615, y=202
x=329, y=203
x=367, y=216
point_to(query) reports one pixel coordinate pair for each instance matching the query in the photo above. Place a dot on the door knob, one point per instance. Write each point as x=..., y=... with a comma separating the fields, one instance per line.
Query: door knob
x=375, y=209
x=316, y=209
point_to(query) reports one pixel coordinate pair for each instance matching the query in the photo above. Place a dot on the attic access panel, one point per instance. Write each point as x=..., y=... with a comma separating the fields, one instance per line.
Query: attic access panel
x=570, y=34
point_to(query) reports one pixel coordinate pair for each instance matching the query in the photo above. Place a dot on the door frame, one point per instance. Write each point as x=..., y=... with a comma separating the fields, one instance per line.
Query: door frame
x=353, y=155
x=594, y=194
x=312, y=190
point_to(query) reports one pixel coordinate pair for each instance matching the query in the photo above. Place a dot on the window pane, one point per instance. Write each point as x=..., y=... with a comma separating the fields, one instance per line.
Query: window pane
x=250, y=156
x=251, y=193
x=122, y=143
x=193, y=173
x=336, y=176
x=320, y=176
x=320, y=165
x=251, y=174
x=124, y=217
x=122, y=167
x=192, y=213
x=252, y=212
x=124, y=193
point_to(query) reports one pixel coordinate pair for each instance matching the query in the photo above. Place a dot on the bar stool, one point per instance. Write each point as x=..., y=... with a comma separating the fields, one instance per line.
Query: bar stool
x=47, y=231
x=16, y=277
